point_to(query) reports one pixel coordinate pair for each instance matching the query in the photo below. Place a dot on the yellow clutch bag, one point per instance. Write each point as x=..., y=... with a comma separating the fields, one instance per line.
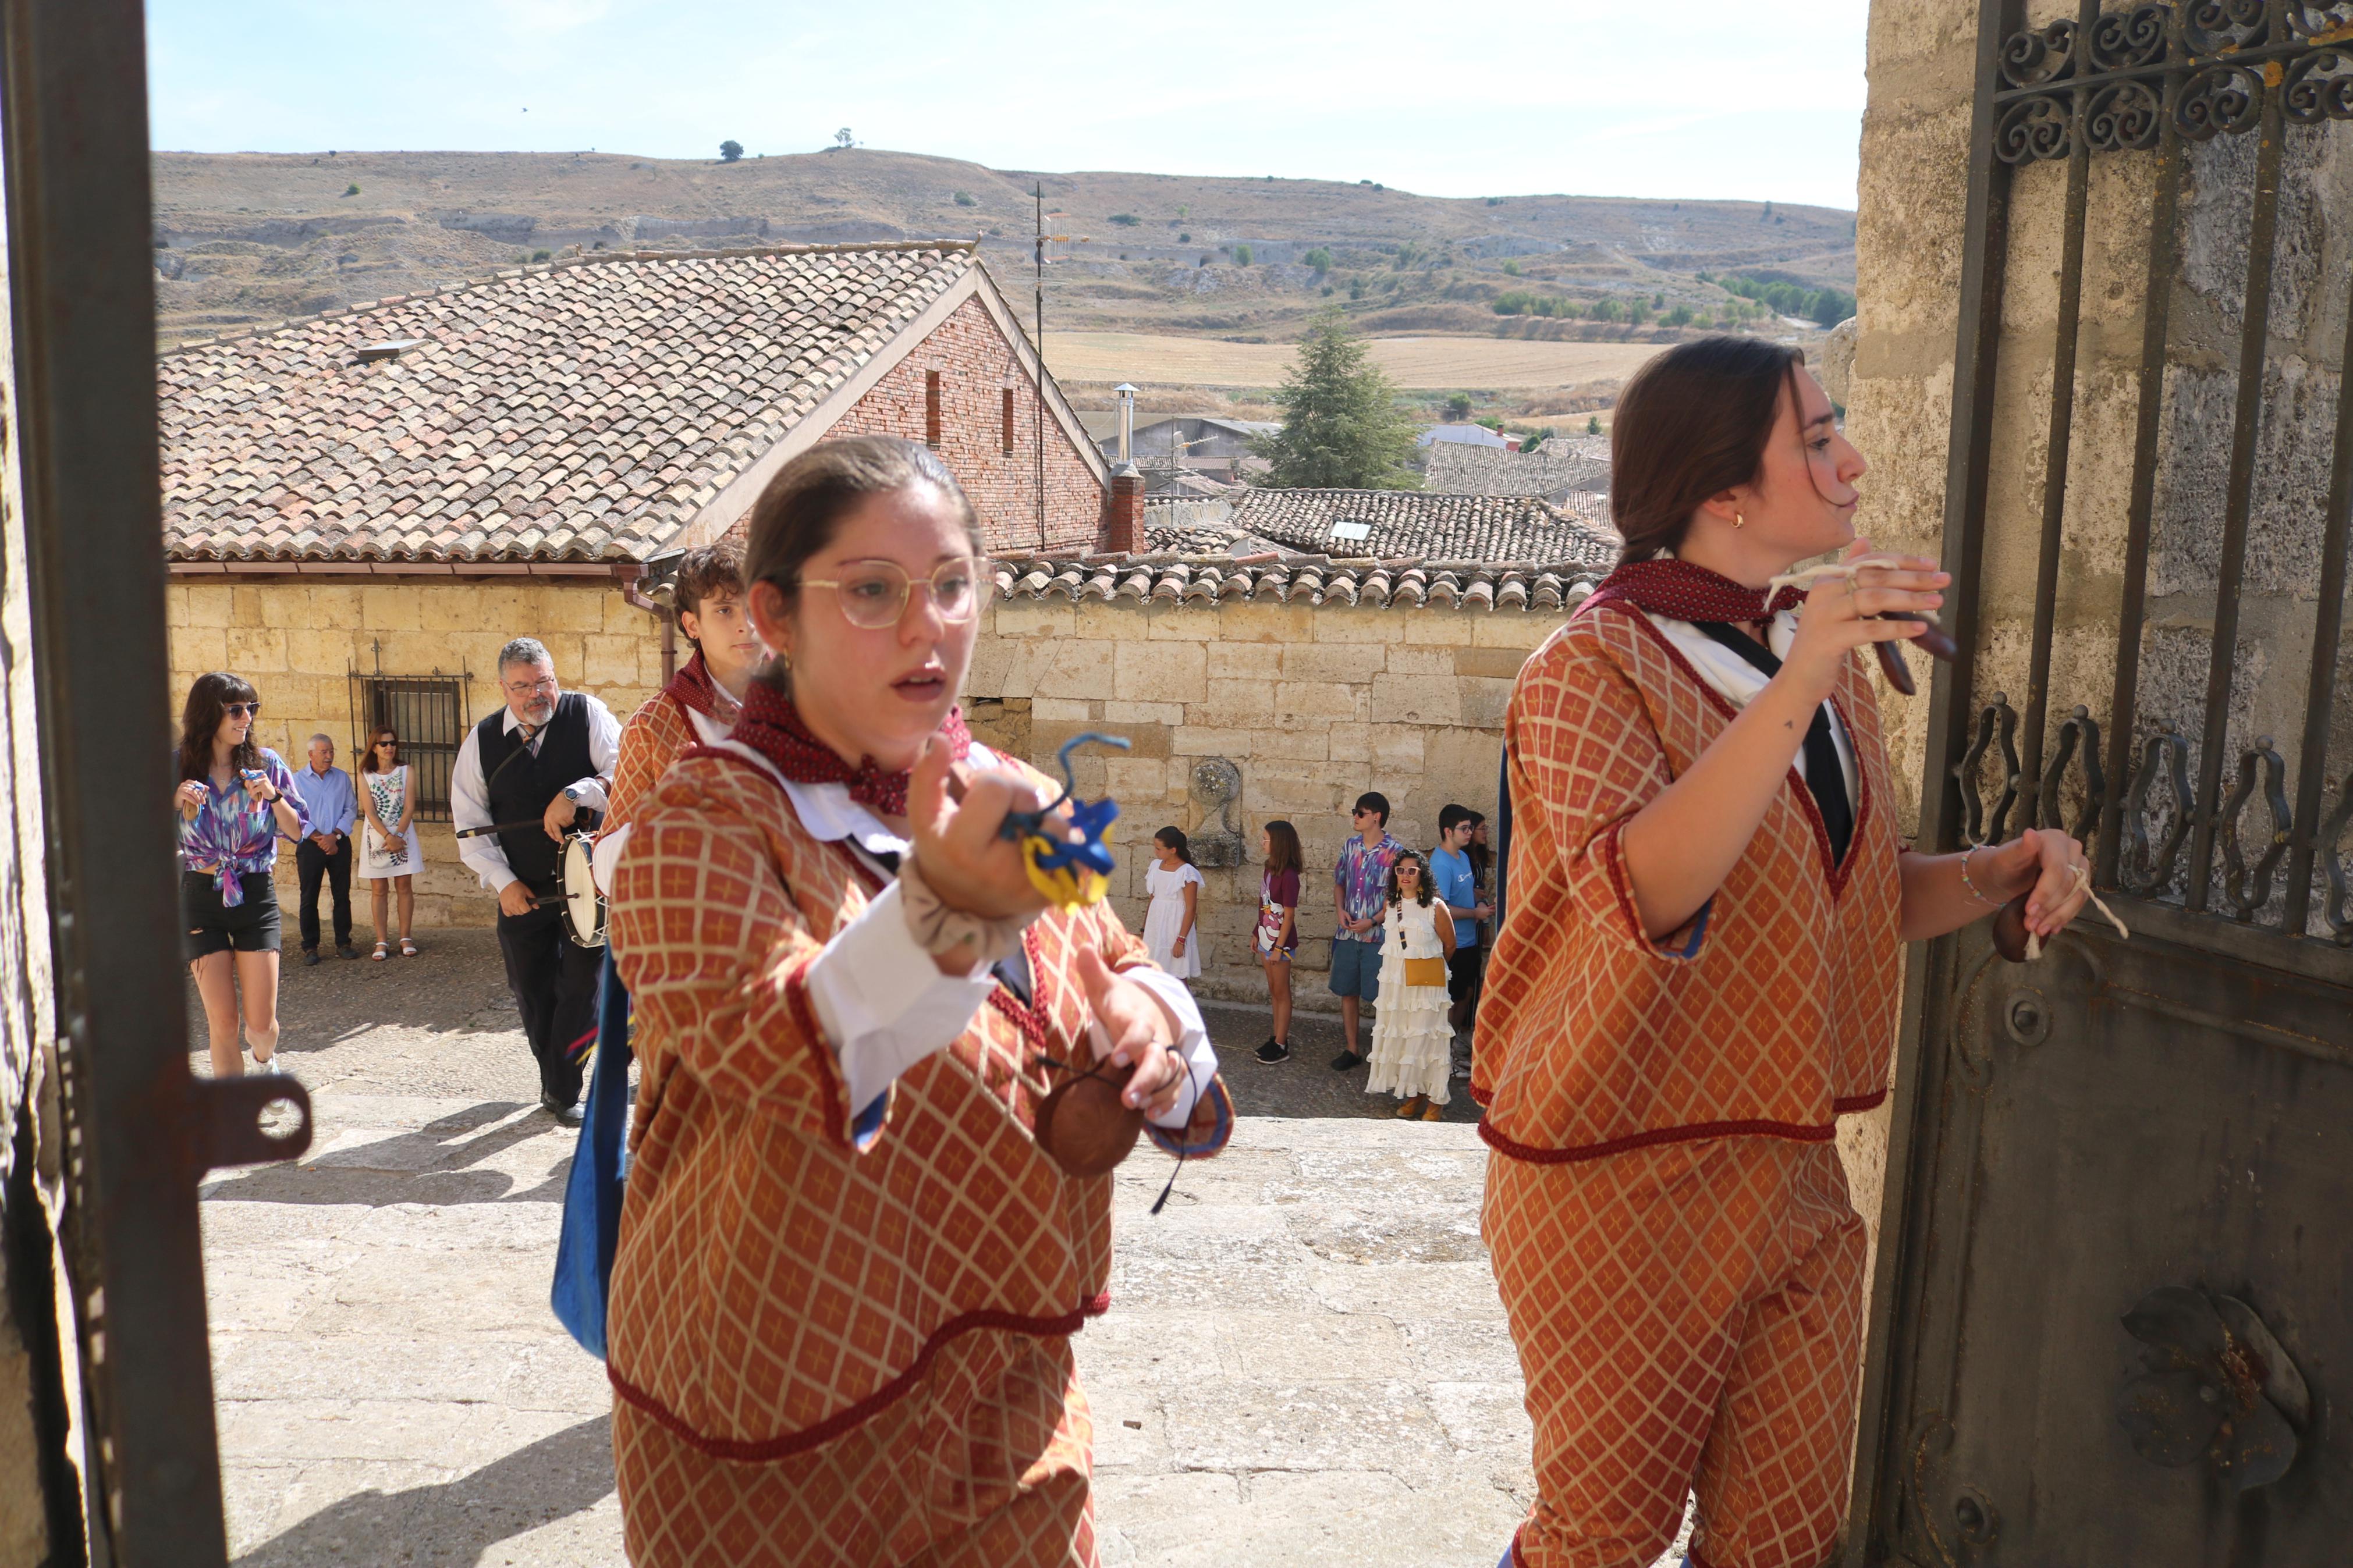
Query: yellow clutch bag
x=1425, y=971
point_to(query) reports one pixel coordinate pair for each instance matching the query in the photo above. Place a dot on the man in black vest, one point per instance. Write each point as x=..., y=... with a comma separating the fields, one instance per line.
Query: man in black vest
x=530, y=769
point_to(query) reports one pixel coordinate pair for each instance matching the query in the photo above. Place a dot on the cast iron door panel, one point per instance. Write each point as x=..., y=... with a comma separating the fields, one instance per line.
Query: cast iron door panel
x=2113, y=1310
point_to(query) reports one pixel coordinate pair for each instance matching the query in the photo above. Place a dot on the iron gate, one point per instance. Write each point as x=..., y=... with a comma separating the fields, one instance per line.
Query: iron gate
x=2110, y=1310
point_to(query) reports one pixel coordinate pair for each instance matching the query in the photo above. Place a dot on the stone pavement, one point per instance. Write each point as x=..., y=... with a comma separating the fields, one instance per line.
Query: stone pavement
x=393, y=1388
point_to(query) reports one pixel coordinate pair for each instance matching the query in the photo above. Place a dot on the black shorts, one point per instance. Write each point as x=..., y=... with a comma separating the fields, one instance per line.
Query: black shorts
x=1462, y=973
x=207, y=926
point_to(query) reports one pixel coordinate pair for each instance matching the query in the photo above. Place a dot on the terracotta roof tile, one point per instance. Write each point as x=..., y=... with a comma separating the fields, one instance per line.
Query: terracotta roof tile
x=1296, y=579
x=1396, y=524
x=581, y=411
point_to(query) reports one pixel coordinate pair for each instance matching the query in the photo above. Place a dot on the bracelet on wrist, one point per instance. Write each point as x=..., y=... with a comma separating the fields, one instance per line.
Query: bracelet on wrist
x=1966, y=881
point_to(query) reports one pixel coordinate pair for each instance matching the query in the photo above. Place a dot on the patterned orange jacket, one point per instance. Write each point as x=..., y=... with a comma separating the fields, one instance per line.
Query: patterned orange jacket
x=787, y=1269
x=1772, y=1012
x=656, y=733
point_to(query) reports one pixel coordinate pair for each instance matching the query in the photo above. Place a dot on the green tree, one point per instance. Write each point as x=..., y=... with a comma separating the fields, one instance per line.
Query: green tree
x=1319, y=258
x=1342, y=427
x=353, y=189
x=1458, y=405
x=1241, y=256
x=966, y=199
x=1593, y=424
x=1511, y=270
x=730, y=151
x=1681, y=316
x=1126, y=220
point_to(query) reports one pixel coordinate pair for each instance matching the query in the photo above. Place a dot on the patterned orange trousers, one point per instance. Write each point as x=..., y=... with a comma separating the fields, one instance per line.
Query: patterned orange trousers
x=986, y=1463
x=1688, y=1318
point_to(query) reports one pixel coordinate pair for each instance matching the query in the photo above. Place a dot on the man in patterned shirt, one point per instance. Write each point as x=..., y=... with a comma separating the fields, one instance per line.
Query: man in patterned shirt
x=1360, y=898
x=703, y=700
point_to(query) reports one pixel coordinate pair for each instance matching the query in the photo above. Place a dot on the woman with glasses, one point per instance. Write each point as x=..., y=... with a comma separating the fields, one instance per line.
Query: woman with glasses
x=236, y=801
x=388, y=852
x=849, y=1269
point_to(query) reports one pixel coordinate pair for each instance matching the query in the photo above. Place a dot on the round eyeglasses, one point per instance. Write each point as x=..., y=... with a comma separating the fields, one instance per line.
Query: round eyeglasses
x=873, y=594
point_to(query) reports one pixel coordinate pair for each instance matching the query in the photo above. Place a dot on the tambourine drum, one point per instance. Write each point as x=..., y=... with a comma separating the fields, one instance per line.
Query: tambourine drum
x=584, y=906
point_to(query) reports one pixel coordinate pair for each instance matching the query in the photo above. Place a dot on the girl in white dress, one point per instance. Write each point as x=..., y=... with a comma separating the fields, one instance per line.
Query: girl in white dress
x=1412, y=1056
x=1174, y=884
x=388, y=852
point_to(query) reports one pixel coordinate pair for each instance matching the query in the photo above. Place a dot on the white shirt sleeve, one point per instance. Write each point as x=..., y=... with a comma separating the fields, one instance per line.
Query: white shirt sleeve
x=604, y=754
x=883, y=1003
x=1193, y=1041
x=469, y=806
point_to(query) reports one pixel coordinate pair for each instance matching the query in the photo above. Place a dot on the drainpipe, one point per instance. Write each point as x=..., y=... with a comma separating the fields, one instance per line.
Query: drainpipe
x=627, y=577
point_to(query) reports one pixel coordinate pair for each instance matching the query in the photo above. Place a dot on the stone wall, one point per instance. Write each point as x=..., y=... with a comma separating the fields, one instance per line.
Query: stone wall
x=298, y=639
x=1312, y=706
x=972, y=359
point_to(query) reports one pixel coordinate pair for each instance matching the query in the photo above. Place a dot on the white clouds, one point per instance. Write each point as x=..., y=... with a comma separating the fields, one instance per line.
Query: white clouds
x=1705, y=98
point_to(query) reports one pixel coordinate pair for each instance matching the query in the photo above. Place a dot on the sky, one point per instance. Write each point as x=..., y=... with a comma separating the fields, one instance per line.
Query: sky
x=1704, y=98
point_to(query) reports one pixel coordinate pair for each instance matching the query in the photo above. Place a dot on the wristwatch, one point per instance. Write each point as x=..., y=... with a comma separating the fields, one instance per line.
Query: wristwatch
x=572, y=793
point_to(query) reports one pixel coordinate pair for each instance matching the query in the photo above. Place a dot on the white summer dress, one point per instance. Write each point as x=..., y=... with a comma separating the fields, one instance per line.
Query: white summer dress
x=1166, y=918
x=1412, y=1043
x=381, y=857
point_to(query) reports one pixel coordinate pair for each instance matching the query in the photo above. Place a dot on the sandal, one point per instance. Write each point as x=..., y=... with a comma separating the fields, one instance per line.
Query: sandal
x=407, y=948
x=1433, y=1112
x=383, y=951
x=1412, y=1108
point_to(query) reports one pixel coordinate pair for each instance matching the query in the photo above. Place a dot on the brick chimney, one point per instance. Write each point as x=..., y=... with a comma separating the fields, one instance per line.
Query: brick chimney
x=1123, y=513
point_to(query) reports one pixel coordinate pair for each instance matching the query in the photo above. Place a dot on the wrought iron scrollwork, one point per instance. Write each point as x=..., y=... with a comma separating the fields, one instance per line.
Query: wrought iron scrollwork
x=2123, y=117
x=1997, y=724
x=2330, y=842
x=2035, y=128
x=2164, y=758
x=2319, y=87
x=2038, y=56
x=2218, y=1386
x=2080, y=735
x=2221, y=100
x=2310, y=21
x=2212, y=26
x=2130, y=40
x=2247, y=888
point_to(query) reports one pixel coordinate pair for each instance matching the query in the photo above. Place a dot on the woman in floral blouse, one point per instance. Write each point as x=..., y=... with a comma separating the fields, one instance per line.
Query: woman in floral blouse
x=235, y=800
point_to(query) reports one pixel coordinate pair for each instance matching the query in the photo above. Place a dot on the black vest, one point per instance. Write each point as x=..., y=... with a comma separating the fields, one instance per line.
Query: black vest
x=520, y=785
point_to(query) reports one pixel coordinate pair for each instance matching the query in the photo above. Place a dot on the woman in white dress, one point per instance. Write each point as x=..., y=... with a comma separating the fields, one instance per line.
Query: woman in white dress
x=1412, y=1042
x=388, y=852
x=1174, y=884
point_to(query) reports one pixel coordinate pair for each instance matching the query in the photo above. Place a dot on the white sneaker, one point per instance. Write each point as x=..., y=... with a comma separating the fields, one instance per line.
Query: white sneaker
x=269, y=1068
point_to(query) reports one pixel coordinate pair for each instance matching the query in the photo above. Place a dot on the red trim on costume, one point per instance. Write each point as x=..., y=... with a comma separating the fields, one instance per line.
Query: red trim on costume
x=1853, y=1103
x=1796, y=1131
x=841, y=1421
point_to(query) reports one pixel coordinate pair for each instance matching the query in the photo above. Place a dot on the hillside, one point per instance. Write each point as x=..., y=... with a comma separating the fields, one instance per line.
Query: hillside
x=247, y=239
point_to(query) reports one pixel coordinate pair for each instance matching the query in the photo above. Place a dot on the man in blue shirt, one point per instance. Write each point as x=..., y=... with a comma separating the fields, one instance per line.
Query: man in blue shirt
x=1458, y=888
x=329, y=807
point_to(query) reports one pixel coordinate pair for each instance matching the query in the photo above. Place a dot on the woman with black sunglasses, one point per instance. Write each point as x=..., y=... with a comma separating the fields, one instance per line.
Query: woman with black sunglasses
x=235, y=800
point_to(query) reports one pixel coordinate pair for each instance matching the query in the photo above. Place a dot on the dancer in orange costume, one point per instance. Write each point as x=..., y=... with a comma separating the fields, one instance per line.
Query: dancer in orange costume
x=1697, y=976
x=848, y=1270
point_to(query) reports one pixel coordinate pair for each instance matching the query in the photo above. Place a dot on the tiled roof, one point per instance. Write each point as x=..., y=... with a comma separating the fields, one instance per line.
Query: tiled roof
x=1419, y=523
x=1297, y=579
x=579, y=411
x=1463, y=471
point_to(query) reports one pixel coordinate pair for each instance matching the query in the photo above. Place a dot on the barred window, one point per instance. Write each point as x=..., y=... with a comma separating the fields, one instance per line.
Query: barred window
x=428, y=713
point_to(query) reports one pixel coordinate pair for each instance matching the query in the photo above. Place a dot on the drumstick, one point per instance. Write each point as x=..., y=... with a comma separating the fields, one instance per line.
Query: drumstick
x=500, y=827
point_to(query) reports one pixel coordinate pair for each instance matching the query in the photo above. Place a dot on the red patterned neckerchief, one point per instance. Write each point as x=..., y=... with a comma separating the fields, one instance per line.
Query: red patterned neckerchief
x=1669, y=587
x=693, y=688
x=772, y=726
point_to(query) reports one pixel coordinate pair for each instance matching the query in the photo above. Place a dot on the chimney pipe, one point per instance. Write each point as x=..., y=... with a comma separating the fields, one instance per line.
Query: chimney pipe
x=1126, y=393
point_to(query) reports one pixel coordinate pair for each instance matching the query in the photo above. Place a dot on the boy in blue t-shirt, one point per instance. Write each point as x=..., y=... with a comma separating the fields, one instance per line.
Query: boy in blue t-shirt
x=1458, y=888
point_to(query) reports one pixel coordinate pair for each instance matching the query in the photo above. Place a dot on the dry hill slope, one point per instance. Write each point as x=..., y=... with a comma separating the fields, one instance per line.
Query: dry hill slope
x=247, y=239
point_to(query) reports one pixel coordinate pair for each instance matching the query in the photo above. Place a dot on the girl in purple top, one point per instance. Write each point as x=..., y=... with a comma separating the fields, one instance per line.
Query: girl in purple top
x=235, y=800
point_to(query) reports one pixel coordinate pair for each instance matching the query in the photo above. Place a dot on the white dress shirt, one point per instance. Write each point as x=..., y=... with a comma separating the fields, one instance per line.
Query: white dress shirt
x=469, y=799
x=1738, y=681
x=605, y=856
x=883, y=1003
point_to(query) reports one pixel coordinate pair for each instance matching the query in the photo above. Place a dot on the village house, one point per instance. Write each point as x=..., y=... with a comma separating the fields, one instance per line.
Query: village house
x=360, y=508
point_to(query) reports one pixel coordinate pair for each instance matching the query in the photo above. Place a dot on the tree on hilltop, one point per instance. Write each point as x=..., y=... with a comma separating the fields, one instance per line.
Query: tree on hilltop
x=730, y=151
x=1342, y=427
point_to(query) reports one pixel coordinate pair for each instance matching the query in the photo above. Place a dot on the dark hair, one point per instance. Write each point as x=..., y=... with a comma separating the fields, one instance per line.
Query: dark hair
x=801, y=511
x=1454, y=816
x=367, y=752
x=1283, y=846
x=1691, y=424
x=1423, y=890
x=200, y=721
x=1173, y=837
x=707, y=569
x=1374, y=800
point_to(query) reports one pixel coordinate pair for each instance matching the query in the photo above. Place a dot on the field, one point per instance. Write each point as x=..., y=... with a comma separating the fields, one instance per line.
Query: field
x=1473, y=364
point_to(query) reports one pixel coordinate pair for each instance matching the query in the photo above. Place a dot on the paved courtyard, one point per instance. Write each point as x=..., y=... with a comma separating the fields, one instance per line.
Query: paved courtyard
x=394, y=1389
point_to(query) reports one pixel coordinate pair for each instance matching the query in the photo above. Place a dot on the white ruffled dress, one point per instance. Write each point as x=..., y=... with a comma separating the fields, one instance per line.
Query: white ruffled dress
x=1412, y=1042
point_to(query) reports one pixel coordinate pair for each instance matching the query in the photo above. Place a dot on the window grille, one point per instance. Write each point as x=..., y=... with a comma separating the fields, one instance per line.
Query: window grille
x=428, y=713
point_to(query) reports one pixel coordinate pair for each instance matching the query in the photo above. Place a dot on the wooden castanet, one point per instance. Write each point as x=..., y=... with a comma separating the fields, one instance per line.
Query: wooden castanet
x=2010, y=933
x=1084, y=1126
x=1938, y=643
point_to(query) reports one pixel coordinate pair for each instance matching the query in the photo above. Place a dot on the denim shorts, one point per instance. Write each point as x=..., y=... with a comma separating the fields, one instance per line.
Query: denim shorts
x=207, y=926
x=1356, y=969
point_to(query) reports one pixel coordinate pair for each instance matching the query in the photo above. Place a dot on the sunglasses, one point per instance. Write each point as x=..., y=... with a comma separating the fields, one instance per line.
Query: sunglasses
x=241, y=709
